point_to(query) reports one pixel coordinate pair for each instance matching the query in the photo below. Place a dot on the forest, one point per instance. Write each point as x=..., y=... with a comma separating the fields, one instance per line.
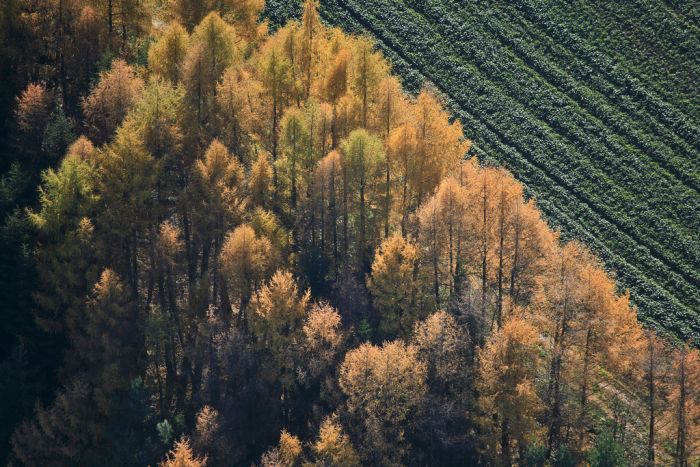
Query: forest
x=590, y=104
x=228, y=239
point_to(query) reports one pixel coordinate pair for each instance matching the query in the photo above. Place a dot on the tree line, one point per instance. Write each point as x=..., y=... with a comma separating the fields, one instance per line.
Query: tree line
x=260, y=250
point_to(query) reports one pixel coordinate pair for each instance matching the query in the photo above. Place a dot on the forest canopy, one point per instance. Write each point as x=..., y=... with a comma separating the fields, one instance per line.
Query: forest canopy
x=231, y=246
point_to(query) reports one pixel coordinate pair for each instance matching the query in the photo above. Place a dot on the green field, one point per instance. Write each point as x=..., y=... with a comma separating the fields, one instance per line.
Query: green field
x=593, y=105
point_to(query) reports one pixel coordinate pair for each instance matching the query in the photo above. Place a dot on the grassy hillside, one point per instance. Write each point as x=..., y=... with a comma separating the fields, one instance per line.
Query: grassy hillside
x=593, y=105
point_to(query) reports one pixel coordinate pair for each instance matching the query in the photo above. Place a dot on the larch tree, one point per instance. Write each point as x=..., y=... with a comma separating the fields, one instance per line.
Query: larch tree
x=275, y=71
x=167, y=54
x=323, y=338
x=446, y=226
x=65, y=265
x=508, y=367
x=58, y=433
x=234, y=110
x=655, y=363
x=328, y=185
x=277, y=322
x=385, y=387
x=443, y=345
x=335, y=85
x=128, y=176
x=214, y=46
x=310, y=29
x=402, y=154
x=368, y=69
x=396, y=291
x=217, y=203
x=333, y=447
x=181, y=455
x=362, y=159
x=245, y=15
x=287, y=453
x=388, y=113
x=246, y=260
x=684, y=407
x=295, y=136
x=109, y=339
x=110, y=100
x=561, y=305
x=260, y=182
x=32, y=113
x=440, y=144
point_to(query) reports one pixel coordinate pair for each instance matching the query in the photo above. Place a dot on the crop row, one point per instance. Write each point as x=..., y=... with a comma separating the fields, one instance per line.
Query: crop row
x=612, y=69
x=656, y=191
x=539, y=142
x=647, y=293
x=659, y=38
x=596, y=95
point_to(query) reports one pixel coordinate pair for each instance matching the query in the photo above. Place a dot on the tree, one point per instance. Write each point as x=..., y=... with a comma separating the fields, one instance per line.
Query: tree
x=607, y=452
x=335, y=86
x=277, y=320
x=446, y=227
x=275, y=71
x=260, y=182
x=561, y=296
x=323, y=337
x=68, y=197
x=245, y=15
x=181, y=455
x=110, y=100
x=402, y=153
x=440, y=144
x=684, y=403
x=333, y=448
x=209, y=439
x=362, y=159
x=128, y=176
x=328, y=193
x=58, y=135
x=109, y=340
x=65, y=431
x=508, y=367
x=395, y=291
x=655, y=361
x=217, y=203
x=310, y=30
x=246, y=260
x=390, y=111
x=384, y=387
x=295, y=136
x=442, y=345
x=32, y=115
x=157, y=118
x=214, y=46
x=369, y=68
x=167, y=54
x=235, y=112
x=286, y=454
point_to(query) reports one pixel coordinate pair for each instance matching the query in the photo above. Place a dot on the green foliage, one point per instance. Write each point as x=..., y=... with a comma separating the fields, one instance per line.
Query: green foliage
x=57, y=136
x=564, y=458
x=535, y=456
x=607, y=452
x=165, y=431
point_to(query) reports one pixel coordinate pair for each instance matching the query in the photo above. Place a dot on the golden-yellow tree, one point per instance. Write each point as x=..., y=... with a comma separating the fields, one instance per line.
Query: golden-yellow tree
x=508, y=367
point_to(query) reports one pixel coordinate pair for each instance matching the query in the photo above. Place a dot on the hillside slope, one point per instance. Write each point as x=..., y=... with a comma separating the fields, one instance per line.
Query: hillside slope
x=593, y=107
